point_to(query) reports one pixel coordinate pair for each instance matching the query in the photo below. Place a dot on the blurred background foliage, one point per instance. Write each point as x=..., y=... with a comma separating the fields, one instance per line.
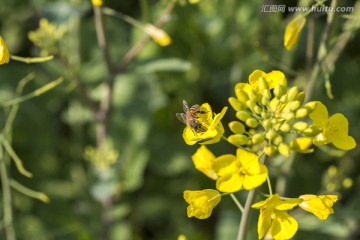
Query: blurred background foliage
x=215, y=44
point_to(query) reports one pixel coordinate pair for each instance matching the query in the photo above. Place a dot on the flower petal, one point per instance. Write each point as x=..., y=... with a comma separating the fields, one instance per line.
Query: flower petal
x=225, y=164
x=283, y=226
x=230, y=183
x=201, y=202
x=203, y=159
x=253, y=181
x=319, y=115
x=292, y=32
x=274, y=78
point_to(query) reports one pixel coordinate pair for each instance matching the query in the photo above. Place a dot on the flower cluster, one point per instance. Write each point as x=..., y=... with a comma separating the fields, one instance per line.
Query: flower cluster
x=270, y=118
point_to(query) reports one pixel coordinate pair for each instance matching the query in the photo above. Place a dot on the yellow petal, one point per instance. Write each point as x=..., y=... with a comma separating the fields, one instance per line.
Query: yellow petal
x=203, y=159
x=320, y=206
x=264, y=222
x=336, y=131
x=97, y=3
x=254, y=181
x=301, y=145
x=4, y=52
x=274, y=78
x=319, y=115
x=254, y=78
x=230, y=183
x=201, y=202
x=288, y=204
x=243, y=86
x=249, y=160
x=283, y=226
x=292, y=32
x=158, y=35
x=225, y=164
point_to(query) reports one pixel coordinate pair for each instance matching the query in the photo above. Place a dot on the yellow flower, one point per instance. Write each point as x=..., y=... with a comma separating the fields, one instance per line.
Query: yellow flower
x=158, y=35
x=302, y=145
x=211, y=122
x=334, y=129
x=201, y=202
x=97, y=3
x=292, y=32
x=320, y=206
x=4, y=52
x=274, y=217
x=240, y=171
x=203, y=159
x=272, y=78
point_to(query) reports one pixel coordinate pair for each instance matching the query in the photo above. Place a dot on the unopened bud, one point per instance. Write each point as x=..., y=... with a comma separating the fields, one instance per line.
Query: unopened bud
x=285, y=127
x=265, y=114
x=258, y=138
x=271, y=134
x=263, y=85
x=267, y=123
x=241, y=95
x=252, y=122
x=284, y=149
x=236, y=104
x=292, y=93
x=257, y=110
x=310, y=106
x=300, y=97
x=250, y=103
x=279, y=90
x=289, y=116
x=264, y=101
x=278, y=140
x=237, y=127
x=267, y=94
x=301, y=113
x=283, y=99
x=300, y=126
x=311, y=131
x=253, y=96
x=242, y=115
x=238, y=139
x=270, y=150
x=294, y=105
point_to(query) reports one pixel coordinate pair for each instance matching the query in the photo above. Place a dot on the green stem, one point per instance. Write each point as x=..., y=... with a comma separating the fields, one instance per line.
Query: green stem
x=269, y=185
x=29, y=192
x=238, y=204
x=7, y=207
x=126, y=18
x=246, y=216
x=29, y=60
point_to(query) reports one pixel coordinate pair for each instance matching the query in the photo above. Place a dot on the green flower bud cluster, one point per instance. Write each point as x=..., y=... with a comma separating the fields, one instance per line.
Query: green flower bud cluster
x=267, y=116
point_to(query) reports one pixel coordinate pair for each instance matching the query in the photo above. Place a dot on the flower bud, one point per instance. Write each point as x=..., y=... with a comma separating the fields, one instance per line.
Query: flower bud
x=241, y=95
x=310, y=106
x=257, y=110
x=264, y=101
x=266, y=94
x=283, y=99
x=284, y=149
x=289, y=116
x=300, y=126
x=236, y=104
x=251, y=122
x=258, y=138
x=300, y=97
x=265, y=114
x=278, y=140
x=301, y=113
x=292, y=93
x=238, y=139
x=267, y=123
x=311, y=131
x=253, y=96
x=250, y=103
x=271, y=134
x=237, y=127
x=294, y=105
x=263, y=85
x=270, y=150
x=243, y=115
x=279, y=90
x=285, y=127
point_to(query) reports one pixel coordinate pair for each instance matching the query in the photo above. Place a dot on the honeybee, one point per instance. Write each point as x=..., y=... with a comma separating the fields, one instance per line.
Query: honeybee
x=190, y=117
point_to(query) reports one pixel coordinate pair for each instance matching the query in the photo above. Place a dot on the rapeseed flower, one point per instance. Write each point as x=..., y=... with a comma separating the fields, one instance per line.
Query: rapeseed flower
x=201, y=202
x=292, y=32
x=320, y=206
x=333, y=130
x=214, y=130
x=203, y=160
x=240, y=171
x=274, y=217
x=4, y=52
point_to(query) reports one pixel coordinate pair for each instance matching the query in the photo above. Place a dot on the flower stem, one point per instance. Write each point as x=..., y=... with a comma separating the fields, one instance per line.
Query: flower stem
x=7, y=208
x=269, y=185
x=246, y=216
x=29, y=60
x=238, y=204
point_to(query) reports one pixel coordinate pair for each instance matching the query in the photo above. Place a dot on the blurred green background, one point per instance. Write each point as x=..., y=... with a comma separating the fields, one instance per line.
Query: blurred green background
x=215, y=44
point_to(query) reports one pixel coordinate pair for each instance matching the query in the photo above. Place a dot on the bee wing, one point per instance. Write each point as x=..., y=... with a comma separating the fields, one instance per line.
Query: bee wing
x=185, y=106
x=181, y=117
